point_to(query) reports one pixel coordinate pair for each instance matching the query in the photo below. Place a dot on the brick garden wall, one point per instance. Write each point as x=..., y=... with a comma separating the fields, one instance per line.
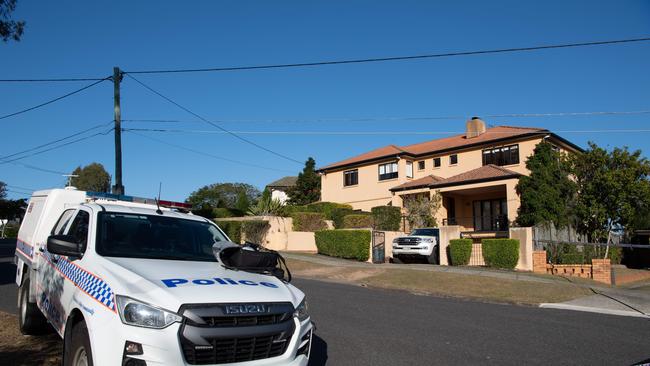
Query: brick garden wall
x=600, y=270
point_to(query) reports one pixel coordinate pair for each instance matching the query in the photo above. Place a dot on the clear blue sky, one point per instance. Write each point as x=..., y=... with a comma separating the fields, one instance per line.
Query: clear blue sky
x=88, y=38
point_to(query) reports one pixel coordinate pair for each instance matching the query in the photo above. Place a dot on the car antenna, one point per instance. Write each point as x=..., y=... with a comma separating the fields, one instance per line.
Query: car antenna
x=159, y=211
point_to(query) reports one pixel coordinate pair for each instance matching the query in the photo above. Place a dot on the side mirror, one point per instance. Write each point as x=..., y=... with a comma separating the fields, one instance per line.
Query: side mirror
x=63, y=245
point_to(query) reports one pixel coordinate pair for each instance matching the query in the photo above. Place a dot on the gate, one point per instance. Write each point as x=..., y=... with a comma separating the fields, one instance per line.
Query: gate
x=378, y=246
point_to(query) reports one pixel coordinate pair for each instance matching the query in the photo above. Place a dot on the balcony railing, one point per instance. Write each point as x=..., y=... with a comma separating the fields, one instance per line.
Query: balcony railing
x=480, y=223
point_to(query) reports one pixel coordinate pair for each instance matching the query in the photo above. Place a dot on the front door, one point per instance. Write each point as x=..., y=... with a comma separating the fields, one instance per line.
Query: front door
x=491, y=215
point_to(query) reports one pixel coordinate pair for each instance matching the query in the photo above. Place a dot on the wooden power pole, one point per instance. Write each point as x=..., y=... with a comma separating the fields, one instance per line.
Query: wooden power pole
x=118, y=188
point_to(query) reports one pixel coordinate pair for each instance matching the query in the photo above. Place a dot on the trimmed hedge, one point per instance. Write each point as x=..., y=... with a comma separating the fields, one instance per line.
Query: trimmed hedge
x=232, y=229
x=350, y=244
x=255, y=230
x=308, y=221
x=331, y=211
x=357, y=221
x=387, y=218
x=501, y=253
x=460, y=250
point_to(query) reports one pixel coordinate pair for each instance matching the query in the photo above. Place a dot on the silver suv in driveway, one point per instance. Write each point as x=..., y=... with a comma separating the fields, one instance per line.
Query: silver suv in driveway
x=419, y=244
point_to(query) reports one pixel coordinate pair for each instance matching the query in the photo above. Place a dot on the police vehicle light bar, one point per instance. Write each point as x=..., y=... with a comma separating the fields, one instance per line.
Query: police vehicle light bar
x=148, y=201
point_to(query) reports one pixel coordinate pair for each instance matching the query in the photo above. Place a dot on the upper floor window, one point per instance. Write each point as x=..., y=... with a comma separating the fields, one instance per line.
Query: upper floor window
x=453, y=159
x=409, y=169
x=421, y=165
x=436, y=162
x=506, y=155
x=351, y=178
x=388, y=171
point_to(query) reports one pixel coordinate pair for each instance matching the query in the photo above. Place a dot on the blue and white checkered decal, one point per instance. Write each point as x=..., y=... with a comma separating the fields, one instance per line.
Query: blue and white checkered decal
x=26, y=249
x=92, y=285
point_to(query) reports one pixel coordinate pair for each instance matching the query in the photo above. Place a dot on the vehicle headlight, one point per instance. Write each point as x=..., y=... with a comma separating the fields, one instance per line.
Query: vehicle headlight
x=139, y=314
x=427, y=240
x=302, y=311
x=395, y=241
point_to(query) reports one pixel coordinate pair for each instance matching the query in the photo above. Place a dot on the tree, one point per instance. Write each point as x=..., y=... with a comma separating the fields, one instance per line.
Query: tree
x=93, y=177
x=3, y=190
x=9, y=29
x=307, y=189
x=421, y=209
x=233, y=196
x=613, y=187
x=546, y=193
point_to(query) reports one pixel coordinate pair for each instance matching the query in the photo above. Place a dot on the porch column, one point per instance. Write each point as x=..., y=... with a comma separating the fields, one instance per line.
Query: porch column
x=512, y=199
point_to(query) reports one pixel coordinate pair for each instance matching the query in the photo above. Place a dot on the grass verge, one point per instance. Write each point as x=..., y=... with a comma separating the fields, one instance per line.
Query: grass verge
x=21, y=350
x=443, y=284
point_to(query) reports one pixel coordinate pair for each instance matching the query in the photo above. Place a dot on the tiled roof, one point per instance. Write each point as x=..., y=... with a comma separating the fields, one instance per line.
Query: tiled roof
x=288, y=181
x=385, y=151
x=418, y=183
x=484, y=173
x=447, y=143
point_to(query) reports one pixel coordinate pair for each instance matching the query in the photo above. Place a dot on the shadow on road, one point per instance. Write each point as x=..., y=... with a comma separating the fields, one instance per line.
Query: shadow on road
x=7, y=273
x=318, y=355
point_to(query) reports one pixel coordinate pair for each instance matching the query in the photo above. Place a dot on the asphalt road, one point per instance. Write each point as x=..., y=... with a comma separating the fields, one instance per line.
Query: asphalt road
x=363, y=326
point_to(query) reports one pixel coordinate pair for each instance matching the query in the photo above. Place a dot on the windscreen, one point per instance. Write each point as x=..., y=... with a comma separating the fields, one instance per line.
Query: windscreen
x=155, y=237
x=425, y=232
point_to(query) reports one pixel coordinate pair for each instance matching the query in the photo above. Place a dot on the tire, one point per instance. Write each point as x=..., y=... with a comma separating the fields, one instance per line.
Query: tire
x=397, y=260
x=433, y=258
x=78, y=352
x=30, y=319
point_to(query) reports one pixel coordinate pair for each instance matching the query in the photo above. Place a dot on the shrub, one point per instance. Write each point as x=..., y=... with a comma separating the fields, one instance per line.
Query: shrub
x=356, y=221
x=222, y=212
x=232, y=229
x=351, y=244
x=572, y=254
x=308, y=221
x=255, y=230
x=267, y=207
x=501, y=253
x=326, y=208
x=387, y=217
x=337, y=215
x=460, y=251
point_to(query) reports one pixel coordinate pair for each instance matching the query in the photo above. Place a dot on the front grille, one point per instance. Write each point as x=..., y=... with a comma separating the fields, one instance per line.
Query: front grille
x=408, y=241
x=241, y=321
x=235, y=350
x=209, y=335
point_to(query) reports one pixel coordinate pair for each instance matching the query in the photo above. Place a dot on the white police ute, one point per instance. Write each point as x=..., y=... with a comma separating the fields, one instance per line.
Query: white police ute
x=125, y=281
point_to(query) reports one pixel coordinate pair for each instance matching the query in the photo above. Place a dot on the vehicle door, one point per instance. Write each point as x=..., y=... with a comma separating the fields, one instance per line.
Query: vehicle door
x=60, y=273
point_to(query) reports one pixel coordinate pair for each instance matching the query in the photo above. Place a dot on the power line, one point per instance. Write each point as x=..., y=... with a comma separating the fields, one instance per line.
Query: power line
x=48, y=80
x=404, y=118
x=214, y=124
x=55, y=141
x=21, y=188
x=28, y=166
x=56, y=147
x=396, y=58
x=376, y=132
x=207, y=154
x=52, y=100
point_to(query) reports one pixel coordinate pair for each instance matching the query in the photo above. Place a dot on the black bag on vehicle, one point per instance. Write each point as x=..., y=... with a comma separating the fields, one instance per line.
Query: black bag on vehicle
x=254, y=258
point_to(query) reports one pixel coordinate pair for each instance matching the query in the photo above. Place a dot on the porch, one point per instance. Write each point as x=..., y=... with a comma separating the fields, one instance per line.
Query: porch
x=481, y=202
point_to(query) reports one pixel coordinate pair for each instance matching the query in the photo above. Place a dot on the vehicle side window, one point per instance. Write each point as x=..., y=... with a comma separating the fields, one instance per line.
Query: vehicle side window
x=62, y=222
x=79, y=228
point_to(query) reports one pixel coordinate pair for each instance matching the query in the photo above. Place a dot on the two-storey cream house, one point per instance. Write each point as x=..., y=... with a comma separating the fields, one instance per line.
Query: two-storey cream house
x=475, y=173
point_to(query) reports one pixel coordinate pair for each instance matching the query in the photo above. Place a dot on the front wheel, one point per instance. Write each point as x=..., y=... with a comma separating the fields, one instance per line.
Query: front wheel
x=433, y=257
x=397, y=260
x=30, y=320
x=78, y=352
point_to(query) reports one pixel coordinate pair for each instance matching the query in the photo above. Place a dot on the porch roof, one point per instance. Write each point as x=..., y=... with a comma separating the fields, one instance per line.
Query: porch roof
x=423, y=182
x=485, y=173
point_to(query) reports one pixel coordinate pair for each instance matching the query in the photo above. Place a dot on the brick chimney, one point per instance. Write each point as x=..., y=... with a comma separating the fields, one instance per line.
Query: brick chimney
x=474, y=127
